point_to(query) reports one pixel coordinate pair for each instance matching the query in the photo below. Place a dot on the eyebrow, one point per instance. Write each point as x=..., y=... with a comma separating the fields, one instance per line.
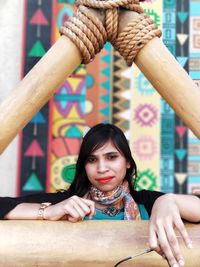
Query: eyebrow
x=107, y=153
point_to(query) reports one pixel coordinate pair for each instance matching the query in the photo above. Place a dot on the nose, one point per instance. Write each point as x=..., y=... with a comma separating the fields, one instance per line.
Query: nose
x=102, y=166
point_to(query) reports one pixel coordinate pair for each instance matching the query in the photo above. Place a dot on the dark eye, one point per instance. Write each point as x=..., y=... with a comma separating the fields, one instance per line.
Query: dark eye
x=112, y=156
x=91, y=159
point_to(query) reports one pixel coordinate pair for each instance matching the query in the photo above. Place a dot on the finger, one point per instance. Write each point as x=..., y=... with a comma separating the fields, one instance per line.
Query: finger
x=182, y=230
x=153, y=243
x=72, y=219
x=165, y=247
x=83, y=205
x=79, y=209
x=174, y=244
x=91, y=205
x=152, y=238
x=73, y=212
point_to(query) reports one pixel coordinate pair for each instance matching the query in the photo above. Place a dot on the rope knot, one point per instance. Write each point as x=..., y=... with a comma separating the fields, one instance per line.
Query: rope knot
x=89, y=34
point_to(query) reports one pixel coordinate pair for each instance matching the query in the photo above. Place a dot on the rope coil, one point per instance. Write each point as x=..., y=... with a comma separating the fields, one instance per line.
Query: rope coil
x=90, y=34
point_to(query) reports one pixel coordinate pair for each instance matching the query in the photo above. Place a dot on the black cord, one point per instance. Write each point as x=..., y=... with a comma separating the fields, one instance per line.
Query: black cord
x=126, y=259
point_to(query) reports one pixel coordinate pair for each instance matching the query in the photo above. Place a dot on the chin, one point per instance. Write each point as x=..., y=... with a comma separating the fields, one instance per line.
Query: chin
x=106, y=188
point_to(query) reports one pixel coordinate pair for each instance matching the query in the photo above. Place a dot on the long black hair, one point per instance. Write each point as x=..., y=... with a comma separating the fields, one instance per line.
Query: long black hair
x=95, y=138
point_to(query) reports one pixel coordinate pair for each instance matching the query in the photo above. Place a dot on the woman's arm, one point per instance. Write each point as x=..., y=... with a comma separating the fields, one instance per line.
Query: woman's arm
x=72, y=209
x=24, y=211
x=7, y=204
x=165, y=216
x=189, y=206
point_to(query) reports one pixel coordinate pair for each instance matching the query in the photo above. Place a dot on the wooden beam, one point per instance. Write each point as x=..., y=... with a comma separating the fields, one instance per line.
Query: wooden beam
x=36, y=88
x=85, y=244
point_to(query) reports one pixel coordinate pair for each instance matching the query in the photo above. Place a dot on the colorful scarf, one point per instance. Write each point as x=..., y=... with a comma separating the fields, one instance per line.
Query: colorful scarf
x=117, y=199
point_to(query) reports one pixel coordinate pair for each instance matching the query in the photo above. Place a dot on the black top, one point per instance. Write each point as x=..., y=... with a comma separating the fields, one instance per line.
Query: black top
x=145, y=197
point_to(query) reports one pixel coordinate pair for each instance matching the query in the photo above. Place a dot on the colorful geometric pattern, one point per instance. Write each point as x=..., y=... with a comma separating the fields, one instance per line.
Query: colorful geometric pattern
x=167, y=113
x=33, y=159
x=106, y=90
x=120, y=94
x=193, y=182
x=180, y=131
x=145, y=123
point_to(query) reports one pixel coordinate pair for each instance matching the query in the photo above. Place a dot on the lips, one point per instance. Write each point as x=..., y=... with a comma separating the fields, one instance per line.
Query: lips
x=105, y=180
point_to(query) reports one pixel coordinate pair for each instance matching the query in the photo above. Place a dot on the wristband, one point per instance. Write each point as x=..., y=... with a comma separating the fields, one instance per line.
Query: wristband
x=42, y=207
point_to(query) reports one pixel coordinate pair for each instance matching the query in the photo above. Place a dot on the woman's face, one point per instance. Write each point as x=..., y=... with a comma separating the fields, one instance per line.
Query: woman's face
x=106, y=167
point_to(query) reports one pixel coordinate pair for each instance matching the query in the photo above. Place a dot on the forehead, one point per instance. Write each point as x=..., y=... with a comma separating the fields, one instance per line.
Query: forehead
x=106, y=148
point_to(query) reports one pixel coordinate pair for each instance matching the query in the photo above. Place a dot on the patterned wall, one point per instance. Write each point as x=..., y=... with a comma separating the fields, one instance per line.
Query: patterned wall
x=166, y=152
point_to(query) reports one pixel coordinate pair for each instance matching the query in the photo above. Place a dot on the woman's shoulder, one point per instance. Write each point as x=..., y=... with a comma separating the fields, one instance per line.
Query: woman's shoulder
x=146, y=195
x=146, y=198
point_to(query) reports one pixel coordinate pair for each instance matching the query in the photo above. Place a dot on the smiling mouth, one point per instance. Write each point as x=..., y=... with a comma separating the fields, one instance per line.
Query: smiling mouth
x=105, y=180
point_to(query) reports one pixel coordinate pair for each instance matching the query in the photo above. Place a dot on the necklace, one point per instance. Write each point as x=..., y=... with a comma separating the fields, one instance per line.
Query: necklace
x=111, y=211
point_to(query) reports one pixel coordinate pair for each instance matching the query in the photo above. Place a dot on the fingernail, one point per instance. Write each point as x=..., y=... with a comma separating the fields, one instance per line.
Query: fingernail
x=189, y=245
x=181, y=263
x=175, y=265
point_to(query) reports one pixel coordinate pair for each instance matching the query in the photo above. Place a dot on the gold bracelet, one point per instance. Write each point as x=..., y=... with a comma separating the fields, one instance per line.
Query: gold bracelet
x=43, y=206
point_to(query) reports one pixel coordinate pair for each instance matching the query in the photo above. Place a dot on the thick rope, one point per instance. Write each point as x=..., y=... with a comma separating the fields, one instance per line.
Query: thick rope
x=135, y=35
x=89, y=34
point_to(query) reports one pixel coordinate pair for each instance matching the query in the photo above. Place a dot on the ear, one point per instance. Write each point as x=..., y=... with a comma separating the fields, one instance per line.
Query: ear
x=128, y=165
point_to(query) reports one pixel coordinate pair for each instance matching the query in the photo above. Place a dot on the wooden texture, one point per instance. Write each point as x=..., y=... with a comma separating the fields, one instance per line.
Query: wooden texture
x=36, y=88
x=87, y=243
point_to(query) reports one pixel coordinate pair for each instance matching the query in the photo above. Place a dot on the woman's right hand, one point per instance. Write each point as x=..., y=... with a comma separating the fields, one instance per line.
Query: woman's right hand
x=73, y=209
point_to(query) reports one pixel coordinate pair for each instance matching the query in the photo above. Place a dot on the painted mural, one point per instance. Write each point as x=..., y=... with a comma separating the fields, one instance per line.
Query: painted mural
x=106, y=90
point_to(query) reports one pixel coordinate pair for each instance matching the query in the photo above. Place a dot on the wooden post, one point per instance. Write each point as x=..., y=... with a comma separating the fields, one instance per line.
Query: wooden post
x=168, y=77
x=37, y=88
x=85, y=244
x=171, y=81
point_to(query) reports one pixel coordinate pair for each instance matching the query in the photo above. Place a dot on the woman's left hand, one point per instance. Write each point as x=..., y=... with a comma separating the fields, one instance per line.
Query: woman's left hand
x=165, y=216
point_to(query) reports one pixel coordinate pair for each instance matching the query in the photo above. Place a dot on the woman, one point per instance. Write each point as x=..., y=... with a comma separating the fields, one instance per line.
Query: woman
x=103, y=188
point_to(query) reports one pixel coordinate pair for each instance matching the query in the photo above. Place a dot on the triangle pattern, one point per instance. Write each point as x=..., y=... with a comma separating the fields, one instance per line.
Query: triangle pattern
x=38, y=118
x=127, y=73
x=105, y=111
x=180, y=177
x=32, y=184
x=106, y=58
x=181, y=130
x=115, y=110
x=182, y=38
x=182, y=60
x=116, y=79
x=39, y=18
x=34, y=150
x=106, y=72
x=105, y=98
x=73, y=132
x=126, y=114
x=106, y=85
x=37, y=50
x=182, y=16
x=180, y=153
x=116, y=68
x=115, y=99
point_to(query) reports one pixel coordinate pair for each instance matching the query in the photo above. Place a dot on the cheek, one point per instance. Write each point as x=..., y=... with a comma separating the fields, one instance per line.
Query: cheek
x=123, y=169
x=89, y=171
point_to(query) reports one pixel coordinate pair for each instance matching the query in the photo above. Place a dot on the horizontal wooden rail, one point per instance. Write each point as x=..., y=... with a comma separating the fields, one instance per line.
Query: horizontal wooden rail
x=87, y=243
